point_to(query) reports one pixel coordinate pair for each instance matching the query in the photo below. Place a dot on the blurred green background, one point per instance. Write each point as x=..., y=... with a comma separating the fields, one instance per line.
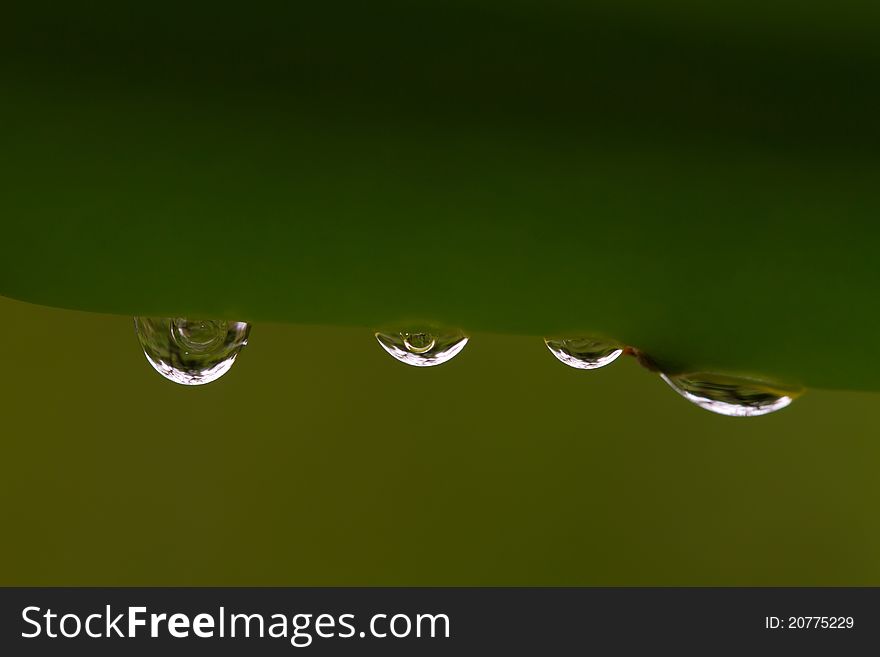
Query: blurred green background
x=319, y=460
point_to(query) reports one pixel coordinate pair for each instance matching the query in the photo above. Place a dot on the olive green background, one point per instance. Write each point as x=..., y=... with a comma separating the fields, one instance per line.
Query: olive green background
x=320, y=460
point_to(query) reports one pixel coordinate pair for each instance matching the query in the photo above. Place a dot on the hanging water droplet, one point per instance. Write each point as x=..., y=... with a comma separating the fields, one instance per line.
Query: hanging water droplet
x=584, y=353
x=422, y=348
x=191, y=352
x=728, y=395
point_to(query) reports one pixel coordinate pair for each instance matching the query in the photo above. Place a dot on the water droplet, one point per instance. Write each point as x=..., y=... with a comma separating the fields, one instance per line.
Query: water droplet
x=422, y=348
x=729, y=395
x=191, y=352
x=584, y=353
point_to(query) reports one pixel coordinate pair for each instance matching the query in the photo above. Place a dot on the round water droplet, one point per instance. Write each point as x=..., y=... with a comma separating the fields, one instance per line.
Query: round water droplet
x=424, y=348
x=584, y=353
x=191, y=352
x=728, y=395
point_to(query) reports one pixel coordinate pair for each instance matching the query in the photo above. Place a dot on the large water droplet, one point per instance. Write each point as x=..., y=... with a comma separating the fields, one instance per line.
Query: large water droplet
x=728, y=395
x=584, y=353
x=422, y=348
x=191, y=352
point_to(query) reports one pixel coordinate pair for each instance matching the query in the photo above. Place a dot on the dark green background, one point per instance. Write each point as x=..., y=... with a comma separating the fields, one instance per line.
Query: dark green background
x=321, y=460
x=697, y=181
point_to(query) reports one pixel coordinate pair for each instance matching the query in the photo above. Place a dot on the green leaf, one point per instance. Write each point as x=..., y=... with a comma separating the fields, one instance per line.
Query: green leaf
x=703, y=189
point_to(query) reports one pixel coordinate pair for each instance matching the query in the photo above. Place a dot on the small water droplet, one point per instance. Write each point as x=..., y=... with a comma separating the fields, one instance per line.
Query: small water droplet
x=729, y=395
x=422, y=348
x=584, y=353
x=191, y=352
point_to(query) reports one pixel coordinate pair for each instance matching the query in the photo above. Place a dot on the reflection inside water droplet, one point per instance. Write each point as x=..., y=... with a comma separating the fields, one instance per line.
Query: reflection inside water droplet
x=584, y=353
x=419, y=343
x=198, y=335
x=728, y=395
x=191, y=352
x=422, y=348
